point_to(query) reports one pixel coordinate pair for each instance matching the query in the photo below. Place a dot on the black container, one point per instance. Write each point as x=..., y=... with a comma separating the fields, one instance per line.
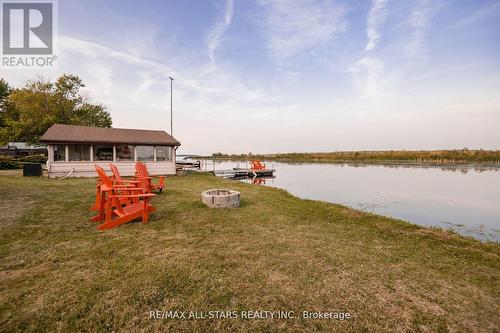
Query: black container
x=32, y=170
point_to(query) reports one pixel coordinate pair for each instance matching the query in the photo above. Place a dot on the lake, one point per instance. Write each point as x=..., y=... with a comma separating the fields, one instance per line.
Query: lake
x=464, y=198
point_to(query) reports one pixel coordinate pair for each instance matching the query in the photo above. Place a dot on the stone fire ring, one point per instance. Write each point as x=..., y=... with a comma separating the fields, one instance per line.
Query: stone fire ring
x=221, y=198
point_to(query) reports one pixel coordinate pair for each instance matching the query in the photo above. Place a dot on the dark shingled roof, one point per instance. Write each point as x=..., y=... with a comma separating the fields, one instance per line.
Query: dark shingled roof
x=59, y=133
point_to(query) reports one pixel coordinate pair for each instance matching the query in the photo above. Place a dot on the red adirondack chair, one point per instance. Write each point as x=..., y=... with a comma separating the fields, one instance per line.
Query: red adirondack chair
x=258, y=165
x=98, y=204
x=97, y=201
x=118, y=180
x=142, y=174
x=118, y=205
x=120, y=183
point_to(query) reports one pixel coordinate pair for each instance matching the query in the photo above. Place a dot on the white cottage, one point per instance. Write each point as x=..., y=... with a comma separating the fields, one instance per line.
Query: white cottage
x=73, y=150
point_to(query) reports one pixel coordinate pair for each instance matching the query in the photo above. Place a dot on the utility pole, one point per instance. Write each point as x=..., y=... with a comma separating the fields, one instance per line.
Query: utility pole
x=171, y=106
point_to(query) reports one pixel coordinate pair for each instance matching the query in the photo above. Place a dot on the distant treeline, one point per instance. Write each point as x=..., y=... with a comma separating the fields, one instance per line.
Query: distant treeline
x=392, y=156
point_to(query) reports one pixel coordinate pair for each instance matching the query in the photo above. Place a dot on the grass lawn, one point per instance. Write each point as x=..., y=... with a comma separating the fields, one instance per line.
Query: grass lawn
x=275, y=252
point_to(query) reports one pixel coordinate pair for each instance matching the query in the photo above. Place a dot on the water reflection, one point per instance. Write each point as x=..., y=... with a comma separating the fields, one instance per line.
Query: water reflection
x=462, y=198
x=451, y=167
x=255, y=180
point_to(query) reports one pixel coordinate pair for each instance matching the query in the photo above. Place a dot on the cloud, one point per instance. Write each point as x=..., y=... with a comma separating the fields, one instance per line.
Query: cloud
x=367, y=73
x=485, y=12
x=420, y=17
x=128, y=84
x=376, y=18
x=370, y=76
x=294, y=28
x=215, y=36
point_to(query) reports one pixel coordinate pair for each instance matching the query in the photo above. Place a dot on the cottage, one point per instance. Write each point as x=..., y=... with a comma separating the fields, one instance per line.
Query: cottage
x=73, y=150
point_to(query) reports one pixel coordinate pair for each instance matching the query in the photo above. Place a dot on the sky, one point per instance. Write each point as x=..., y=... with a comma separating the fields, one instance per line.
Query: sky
x=268, y=76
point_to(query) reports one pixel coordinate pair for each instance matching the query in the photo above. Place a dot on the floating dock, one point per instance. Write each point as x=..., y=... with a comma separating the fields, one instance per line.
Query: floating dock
x=238, y=172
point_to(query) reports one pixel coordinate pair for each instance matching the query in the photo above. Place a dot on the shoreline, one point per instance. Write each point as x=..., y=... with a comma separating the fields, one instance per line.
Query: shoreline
x=434, y=157
x=367, y=163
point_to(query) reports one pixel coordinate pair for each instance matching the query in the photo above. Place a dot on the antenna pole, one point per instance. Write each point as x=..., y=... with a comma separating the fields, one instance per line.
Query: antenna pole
x=171, y=106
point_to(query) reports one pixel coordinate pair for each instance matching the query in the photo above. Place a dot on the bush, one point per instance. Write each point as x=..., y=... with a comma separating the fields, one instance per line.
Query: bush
x=42, y=159
x=7, y=162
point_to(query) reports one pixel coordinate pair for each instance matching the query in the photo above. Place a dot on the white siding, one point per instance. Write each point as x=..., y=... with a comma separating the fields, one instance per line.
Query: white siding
x=86, y=169
x=50, y=156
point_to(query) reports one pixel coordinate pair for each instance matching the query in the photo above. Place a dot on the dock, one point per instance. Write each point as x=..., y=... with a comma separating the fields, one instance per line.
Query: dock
x=239, y=172
x=180, y=165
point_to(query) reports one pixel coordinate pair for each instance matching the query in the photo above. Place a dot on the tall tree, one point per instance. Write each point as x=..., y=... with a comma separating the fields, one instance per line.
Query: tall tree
x=31, y=110
x=8, y=114
x=4, y=92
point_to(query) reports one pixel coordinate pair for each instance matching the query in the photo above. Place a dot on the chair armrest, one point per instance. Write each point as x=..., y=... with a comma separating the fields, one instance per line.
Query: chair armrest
x=144, y=195
x=129, y=188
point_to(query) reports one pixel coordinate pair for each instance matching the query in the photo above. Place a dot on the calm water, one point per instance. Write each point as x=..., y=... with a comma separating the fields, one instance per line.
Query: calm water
x=466, y=199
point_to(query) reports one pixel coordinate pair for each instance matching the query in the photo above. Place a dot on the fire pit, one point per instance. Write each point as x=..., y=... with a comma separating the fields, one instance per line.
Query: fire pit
x=221, y=198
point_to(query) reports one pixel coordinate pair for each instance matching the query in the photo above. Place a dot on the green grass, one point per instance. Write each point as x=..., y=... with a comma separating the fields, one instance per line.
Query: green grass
x=275, y=252
x=462, y=156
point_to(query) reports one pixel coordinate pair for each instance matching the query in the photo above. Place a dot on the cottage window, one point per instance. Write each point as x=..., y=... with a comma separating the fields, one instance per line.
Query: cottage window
x=125, y=152
x=79, y=152
x=103, y=153
x=59, y=153
x=163, y=153
x=145, y=153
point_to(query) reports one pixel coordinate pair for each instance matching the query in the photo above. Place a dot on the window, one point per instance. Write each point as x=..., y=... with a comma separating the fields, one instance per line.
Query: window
x=145, y=153
x=103, y=153
x=163, y=153
x=79, y=152
x=124, y=152
x=59, y=152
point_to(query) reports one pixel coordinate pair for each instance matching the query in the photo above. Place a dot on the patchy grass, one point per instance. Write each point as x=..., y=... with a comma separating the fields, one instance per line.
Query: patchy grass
x=276, y=252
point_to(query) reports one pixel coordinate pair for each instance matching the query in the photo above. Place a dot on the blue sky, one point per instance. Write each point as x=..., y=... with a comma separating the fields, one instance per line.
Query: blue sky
x=281, y=76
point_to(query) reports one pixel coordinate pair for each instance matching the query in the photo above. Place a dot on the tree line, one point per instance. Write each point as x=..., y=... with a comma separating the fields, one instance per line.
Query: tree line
x=27, y=112
x=455, y=156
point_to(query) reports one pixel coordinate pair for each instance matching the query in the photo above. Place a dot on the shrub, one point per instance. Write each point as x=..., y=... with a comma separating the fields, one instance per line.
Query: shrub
x=7, y=162
x=34, y=159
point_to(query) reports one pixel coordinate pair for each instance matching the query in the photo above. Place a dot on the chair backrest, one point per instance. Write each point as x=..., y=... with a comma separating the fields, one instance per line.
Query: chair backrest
x=257, y=165
x=115, y=171
x=141, y=170
x=107, y=183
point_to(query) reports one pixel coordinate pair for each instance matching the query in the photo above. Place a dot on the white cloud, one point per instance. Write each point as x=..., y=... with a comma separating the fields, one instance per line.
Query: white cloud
x=376, y=18
x=420, y=17
x=370, y=75
x=137, y=92
x=215, y=36
x=299, y=27
x=367, y=73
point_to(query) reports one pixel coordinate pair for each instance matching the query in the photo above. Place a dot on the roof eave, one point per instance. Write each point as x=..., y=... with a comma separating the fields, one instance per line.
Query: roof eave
x=111, y=143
